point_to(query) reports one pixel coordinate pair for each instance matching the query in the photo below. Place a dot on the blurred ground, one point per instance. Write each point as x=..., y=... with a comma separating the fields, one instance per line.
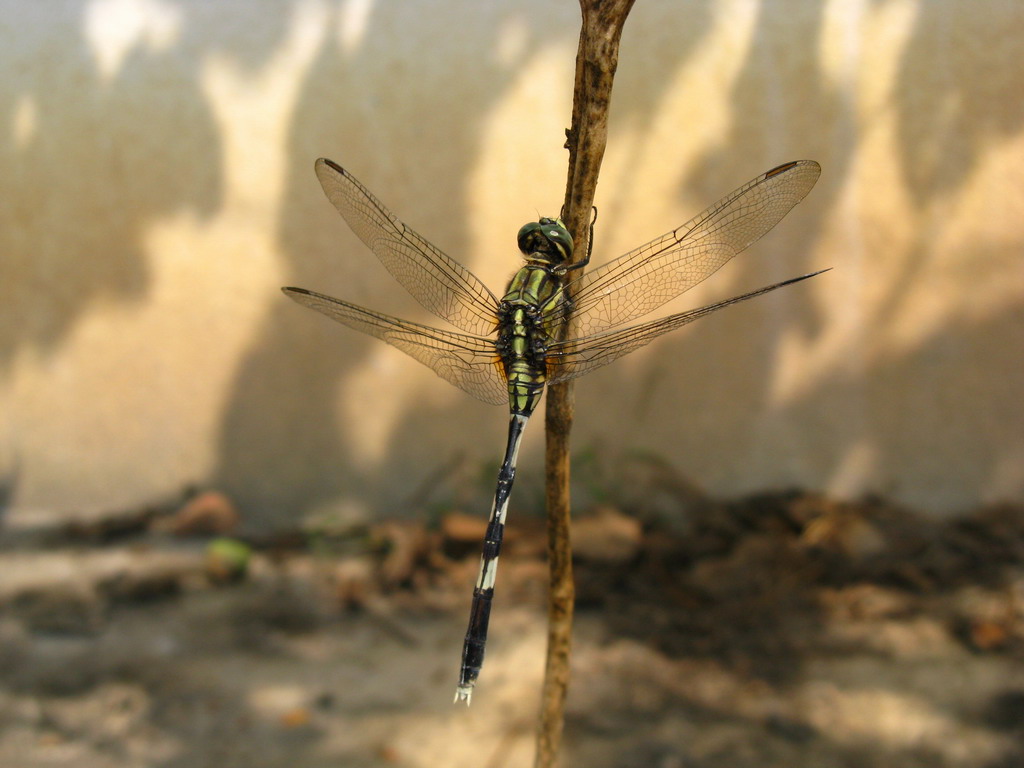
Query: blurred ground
x=784, y=630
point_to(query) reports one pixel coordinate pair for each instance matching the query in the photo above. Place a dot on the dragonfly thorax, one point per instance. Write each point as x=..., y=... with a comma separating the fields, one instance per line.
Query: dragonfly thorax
x=546, y=242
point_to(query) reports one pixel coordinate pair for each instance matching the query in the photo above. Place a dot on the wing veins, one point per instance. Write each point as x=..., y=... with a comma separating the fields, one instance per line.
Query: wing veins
x=571, y=358
x=438, y=282
x=469, y=362
x=643, y=279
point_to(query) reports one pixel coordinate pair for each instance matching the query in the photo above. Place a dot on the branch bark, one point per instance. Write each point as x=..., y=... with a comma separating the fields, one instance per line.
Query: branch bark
x=596, y=61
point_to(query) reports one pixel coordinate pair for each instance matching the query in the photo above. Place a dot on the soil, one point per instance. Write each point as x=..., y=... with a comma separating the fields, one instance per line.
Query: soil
x=784, y=630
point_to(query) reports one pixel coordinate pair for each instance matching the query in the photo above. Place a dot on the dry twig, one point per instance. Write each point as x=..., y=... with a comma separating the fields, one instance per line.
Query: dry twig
x=596, y=61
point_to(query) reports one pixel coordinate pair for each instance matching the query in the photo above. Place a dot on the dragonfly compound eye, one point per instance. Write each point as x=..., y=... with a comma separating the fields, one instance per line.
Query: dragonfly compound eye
x=558, y=236
x=527, y=237
x=547, y=236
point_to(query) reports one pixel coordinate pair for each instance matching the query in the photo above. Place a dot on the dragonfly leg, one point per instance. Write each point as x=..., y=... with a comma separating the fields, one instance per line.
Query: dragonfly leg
x=483, y=592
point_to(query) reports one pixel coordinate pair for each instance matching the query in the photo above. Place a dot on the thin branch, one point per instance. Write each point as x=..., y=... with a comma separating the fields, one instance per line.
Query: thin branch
x=596, y=61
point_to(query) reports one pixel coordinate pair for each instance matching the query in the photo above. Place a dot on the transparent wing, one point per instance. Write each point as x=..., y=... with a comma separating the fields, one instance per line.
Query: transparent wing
x=435, y=280
x=647, y=277
x=469, y=362
x=575, y=357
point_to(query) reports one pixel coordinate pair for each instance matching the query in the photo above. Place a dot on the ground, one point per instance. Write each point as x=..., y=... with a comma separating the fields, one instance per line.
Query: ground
x=784, y=630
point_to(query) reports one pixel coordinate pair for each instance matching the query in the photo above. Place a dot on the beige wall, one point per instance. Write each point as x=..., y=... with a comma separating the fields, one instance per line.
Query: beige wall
x=156, y=188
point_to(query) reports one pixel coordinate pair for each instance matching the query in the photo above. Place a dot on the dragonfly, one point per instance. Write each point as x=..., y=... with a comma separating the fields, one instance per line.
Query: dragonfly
x=550, y=325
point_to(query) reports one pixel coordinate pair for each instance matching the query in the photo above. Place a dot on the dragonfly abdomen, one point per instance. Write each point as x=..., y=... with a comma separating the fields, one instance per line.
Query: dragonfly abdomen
x=483, y=592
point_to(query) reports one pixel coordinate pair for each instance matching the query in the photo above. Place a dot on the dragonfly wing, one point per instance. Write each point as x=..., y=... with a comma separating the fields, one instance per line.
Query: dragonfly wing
x=434, y=279
x=469, y=362
x=575, y=357
x=647, y=277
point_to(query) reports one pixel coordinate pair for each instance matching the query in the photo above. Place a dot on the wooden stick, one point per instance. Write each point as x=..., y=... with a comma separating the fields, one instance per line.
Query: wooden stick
x=596, y=61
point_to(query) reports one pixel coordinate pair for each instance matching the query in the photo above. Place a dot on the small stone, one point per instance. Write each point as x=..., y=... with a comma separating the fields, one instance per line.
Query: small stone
x=354, y=581
x=461, y=535
x=388, y=754
x=297, y=717
x=460, y=527
x=407, y=546
x=988, y=635
x=607, y=536
x=848, y=533
x=209, y=513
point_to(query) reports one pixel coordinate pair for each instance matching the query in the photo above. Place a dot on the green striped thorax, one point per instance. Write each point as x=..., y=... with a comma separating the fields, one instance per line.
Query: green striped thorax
x=546, y=242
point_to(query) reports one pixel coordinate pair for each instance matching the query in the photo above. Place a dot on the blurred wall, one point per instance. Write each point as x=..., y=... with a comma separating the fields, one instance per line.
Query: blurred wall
x=156, y=188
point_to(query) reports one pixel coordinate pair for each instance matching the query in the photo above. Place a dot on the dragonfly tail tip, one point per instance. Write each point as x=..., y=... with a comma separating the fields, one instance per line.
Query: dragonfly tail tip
x=463, y=693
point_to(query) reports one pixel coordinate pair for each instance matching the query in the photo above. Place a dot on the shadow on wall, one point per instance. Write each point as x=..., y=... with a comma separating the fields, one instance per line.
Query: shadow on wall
x=291, y=399
x=275, y=486
x=293, y=403
x=910, y=412
x=96, y=152
x=133, y=170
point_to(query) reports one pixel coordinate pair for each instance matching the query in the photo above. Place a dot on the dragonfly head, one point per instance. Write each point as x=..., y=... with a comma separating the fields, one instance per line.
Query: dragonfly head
x=546, y=241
